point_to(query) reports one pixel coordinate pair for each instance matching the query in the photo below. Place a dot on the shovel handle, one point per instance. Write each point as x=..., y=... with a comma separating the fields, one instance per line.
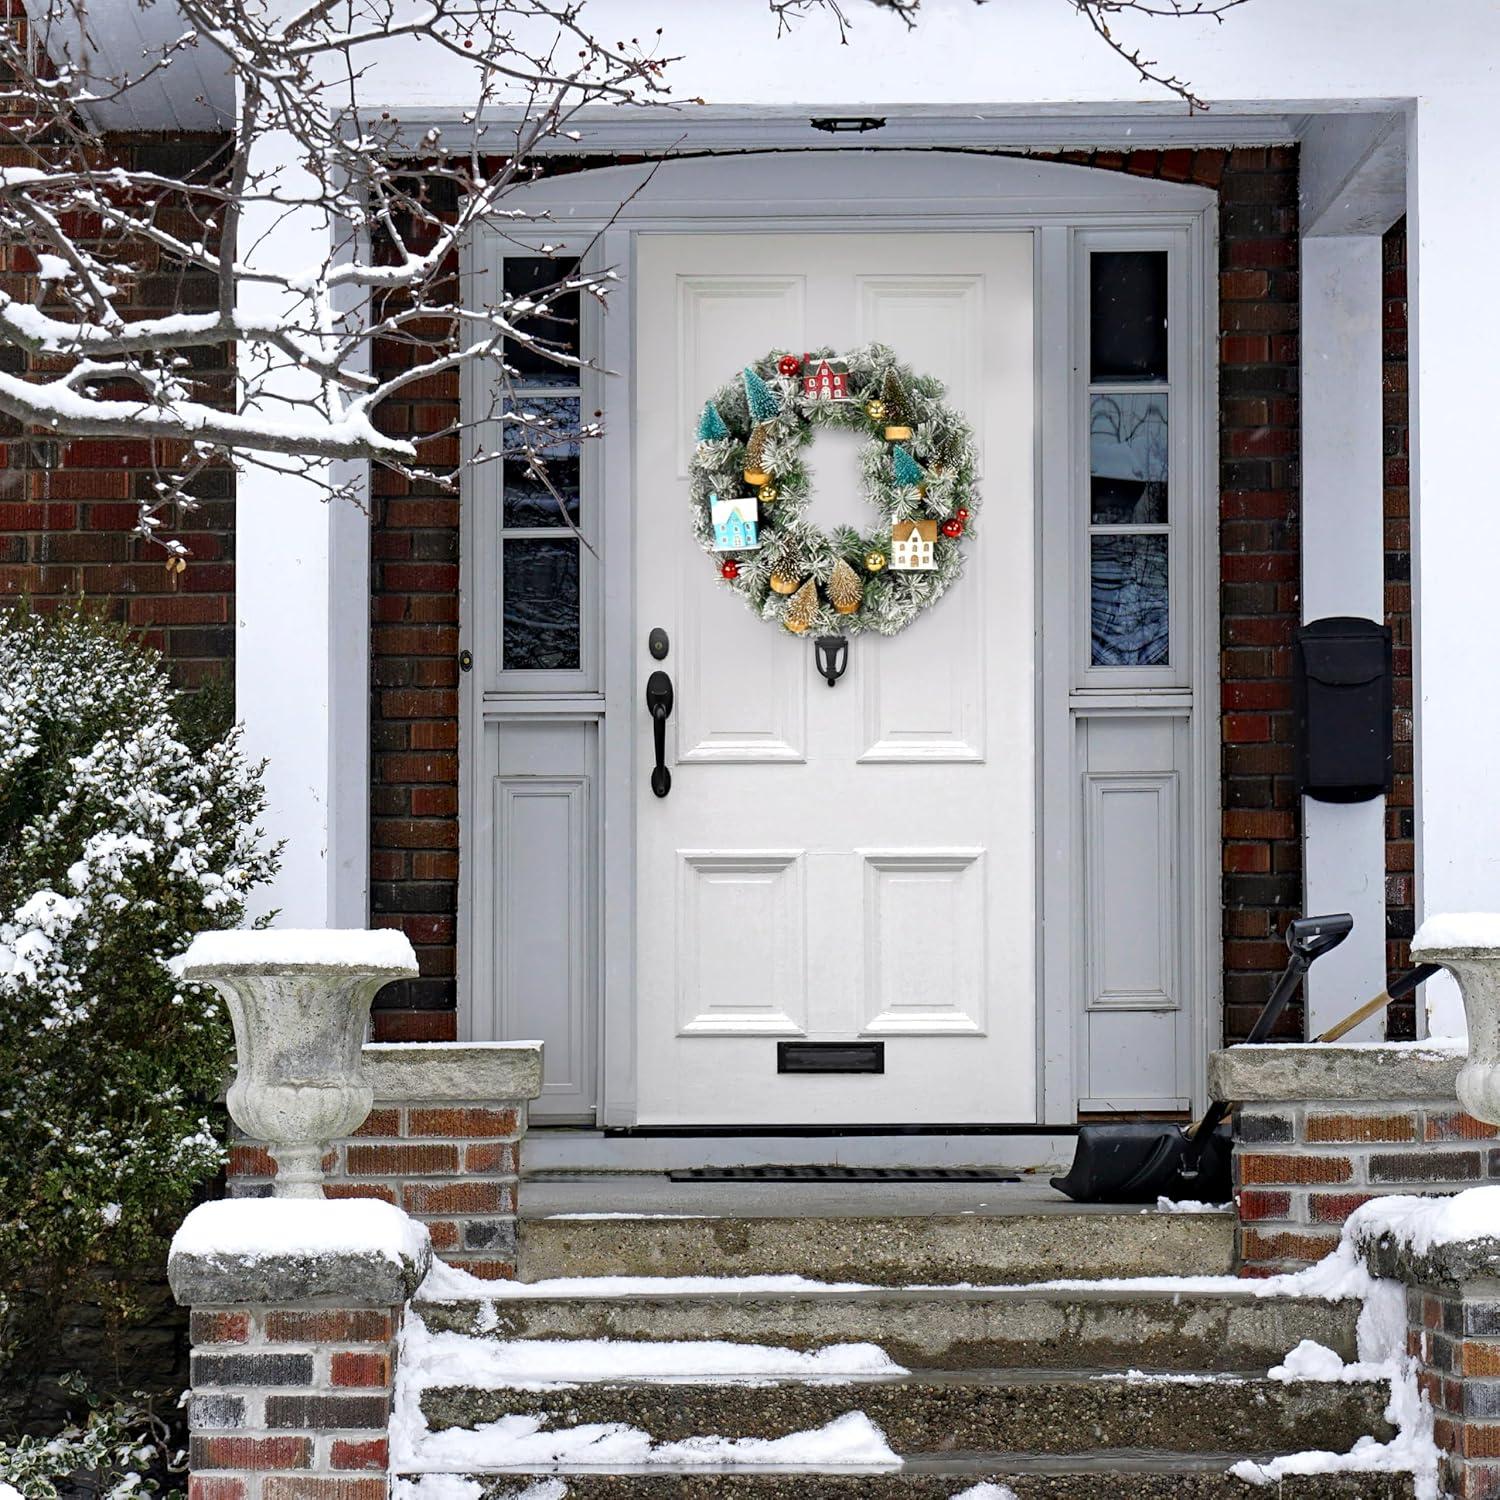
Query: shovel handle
x=1399, y=988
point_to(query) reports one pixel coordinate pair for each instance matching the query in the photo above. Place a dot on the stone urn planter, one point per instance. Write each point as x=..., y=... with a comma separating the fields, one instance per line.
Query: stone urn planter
x=1467, y=944
x=300, y=1004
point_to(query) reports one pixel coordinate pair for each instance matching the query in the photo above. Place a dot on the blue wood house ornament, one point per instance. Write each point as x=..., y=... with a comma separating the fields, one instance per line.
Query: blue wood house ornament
x=736, y=523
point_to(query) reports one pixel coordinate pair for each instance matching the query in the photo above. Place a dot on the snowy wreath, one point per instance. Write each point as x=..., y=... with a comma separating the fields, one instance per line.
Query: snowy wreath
x=751, y=484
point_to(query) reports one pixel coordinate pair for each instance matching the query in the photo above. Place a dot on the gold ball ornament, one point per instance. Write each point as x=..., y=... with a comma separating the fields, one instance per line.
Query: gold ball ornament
x=874, y=562
x=768, y=494
x=782, y=583
x=875, y=410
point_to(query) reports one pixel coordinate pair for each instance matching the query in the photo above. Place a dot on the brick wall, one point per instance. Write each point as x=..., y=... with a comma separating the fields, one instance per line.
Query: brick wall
x=1301, y=1168
x=453, y=1168
x=1400, y=846
x=414, y=610
x=67, y=508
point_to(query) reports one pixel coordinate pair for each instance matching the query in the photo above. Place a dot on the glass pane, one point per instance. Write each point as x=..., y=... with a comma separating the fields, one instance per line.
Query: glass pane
x=540, y=588
x=1128, y=592
x=1128, y=315
x=1127, y=460
x=555, y=326
x=542, y=452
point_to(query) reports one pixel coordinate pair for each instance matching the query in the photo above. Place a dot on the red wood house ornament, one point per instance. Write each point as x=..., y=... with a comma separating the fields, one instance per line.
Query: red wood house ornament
x=824, y=379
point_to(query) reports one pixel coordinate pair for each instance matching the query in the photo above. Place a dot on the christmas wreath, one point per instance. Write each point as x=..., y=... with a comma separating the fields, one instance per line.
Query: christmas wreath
x=751, y=485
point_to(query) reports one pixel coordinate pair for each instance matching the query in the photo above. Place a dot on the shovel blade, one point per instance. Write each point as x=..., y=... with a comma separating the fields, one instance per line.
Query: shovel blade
x=1144, y=1162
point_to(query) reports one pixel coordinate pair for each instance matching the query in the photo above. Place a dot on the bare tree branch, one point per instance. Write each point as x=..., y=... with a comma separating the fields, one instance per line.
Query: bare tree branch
x=1097, y=12
x=376, y=307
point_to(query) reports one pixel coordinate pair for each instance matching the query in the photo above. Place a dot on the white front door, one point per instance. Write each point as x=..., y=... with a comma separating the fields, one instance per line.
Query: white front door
x=855, y=864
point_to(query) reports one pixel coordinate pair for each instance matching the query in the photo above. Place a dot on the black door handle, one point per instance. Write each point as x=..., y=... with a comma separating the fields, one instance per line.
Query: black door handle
x=659, y=704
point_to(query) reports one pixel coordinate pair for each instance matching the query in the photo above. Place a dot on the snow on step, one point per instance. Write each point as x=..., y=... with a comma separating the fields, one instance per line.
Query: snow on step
x=435, y=1359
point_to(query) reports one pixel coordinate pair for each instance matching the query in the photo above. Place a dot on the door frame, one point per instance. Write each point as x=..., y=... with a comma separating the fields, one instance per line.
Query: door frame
x=872, y=191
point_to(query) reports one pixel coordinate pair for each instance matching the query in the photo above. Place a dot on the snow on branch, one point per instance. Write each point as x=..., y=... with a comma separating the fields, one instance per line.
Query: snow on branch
x=312, y=245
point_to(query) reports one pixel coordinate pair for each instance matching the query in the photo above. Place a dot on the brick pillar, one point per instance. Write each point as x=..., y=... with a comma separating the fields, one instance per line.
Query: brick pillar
x=294, y=1351
x=1453, y=1334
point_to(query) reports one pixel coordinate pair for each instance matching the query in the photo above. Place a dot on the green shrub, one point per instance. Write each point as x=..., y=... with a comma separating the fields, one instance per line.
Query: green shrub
x=115, y=1449
x=122, y=833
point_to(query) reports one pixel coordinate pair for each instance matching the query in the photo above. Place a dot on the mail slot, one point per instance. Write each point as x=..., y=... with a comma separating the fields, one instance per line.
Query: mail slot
x=1344, y=709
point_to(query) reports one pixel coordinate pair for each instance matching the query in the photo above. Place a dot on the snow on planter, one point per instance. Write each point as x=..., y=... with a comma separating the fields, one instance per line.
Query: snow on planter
x=335, y=947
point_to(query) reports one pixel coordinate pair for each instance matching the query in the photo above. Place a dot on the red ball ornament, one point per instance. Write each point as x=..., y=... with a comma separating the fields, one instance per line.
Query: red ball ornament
x=962, y=513
x=789, y=364
x=953, y=529
x=730, y=570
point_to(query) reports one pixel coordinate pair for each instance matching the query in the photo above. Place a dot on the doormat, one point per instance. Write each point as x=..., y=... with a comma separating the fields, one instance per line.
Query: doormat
x=841, y=1174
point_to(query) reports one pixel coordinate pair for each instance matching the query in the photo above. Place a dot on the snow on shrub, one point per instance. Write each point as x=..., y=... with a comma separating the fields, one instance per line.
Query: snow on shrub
x=124, y=830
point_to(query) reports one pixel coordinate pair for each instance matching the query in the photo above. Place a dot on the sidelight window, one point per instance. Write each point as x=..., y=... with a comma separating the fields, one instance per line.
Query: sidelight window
x=544, y=518
x=1129, y=447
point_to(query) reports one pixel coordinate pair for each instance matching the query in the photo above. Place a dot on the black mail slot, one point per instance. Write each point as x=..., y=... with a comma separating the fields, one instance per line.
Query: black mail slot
x=830, y=1057
x=1344, y=709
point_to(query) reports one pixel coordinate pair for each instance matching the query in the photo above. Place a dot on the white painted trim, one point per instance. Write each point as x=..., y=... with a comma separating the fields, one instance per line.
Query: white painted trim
x=916, y=192
x=1026, y=126
x=302, y=624
x=1353, y=173
x=1343, y=573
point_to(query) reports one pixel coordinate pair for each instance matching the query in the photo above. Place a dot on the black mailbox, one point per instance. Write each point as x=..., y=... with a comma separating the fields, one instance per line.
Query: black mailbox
x=1344, y=709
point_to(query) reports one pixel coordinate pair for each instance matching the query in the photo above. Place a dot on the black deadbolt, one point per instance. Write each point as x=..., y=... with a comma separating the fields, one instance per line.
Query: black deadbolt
x=658, y=644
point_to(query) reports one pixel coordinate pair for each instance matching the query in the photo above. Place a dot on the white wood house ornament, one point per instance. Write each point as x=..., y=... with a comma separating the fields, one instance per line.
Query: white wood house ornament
x=736, y=523
x=912, y=545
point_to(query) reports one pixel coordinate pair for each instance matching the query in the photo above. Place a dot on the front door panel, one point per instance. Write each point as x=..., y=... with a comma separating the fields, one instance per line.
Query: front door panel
x=855, y=863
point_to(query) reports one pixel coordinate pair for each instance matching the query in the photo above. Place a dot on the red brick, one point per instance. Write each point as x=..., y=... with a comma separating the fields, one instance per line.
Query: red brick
x=487, y=1270
x=471, y=1122
x=1285, y=1244
x=361, y=1453
x=381, y=1122
x=1334, y=1208
x=1457, y=1126
x=377, y=1191
x=415, y=1026
x=1361, y=1127
x=256, y=1453
x=250, y=1161
x=321, y=1487
x=444, y=1233
x=400, y=1161
x=329, y=1326
x=499, y=1157
x=215, y=1487
x=1254, y=1204
x=220, y=1327
x=362, y=1370
x=1291, y=1167
x=482, y=1197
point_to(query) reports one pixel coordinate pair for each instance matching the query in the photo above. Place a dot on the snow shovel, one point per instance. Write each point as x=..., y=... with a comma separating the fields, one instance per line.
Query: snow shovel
x=1143, y=1162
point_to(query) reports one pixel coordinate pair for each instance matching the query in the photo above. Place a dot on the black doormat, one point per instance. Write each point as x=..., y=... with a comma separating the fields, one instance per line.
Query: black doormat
x=841, y=1174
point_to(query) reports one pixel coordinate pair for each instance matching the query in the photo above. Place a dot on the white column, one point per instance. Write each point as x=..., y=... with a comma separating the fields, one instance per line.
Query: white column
x=1343, y=573
x=302, y=608
x=1454, y=226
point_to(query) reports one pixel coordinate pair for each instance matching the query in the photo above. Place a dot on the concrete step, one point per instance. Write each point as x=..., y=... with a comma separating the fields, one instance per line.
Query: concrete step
x=1032, y=1412
x=886, y=1250
x=948, y=1328
x=1134, y=1476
